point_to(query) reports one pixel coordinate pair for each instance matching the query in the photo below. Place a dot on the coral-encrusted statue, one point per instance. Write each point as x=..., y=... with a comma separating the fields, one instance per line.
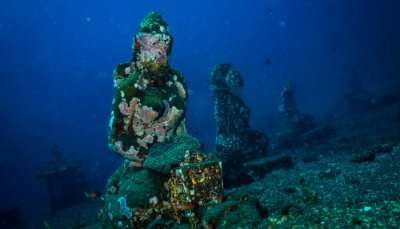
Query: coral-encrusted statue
x=236, y=142
x=288, y=105
x=147, y=129
x=150, y=97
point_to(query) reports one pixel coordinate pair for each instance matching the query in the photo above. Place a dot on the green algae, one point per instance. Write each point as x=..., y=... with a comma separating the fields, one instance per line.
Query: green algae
x=163, y=157
x=153, y=22
x=231, y=214
x=153, y=97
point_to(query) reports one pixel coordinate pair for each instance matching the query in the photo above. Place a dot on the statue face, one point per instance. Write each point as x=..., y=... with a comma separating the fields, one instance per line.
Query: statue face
x=153, y=48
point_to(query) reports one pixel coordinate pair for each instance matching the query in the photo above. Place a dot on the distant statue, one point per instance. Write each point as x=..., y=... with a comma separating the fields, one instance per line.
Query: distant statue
x=65, y=182
x=288, y=105
x=236, y=142
x=294, y=123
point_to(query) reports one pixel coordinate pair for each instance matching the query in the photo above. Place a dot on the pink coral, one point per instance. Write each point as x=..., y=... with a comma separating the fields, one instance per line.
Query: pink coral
x=153, y=47
x=142, y=120
x=126, y=109
x=181, y=89
x=131, y=154
x=148, y=115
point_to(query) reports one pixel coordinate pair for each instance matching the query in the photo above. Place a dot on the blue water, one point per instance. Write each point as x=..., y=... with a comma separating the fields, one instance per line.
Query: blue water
x=57, y=59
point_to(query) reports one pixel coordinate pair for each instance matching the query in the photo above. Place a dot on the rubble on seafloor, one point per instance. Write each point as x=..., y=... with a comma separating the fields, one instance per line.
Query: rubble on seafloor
x=350, y=181
x=324, y=188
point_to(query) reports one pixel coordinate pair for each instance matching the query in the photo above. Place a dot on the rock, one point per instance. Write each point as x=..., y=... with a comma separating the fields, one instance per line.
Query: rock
x=260, y=167
x=310, y=158
x=396, y=149
x=382, y=148
x=140, y=186
x=371, y=154
x=363, y=157
x=11, y=218
x=318, y=135
x=132, y=189
x=137, y=185
x=163, y=157
x=329, y=173
x=231, y=214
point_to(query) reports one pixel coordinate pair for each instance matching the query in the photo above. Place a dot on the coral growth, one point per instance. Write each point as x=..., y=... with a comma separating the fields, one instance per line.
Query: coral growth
x=144, y=123
x=196, y=182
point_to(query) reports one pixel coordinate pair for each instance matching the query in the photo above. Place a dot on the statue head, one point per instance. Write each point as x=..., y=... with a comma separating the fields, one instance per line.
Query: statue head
x=152, y=44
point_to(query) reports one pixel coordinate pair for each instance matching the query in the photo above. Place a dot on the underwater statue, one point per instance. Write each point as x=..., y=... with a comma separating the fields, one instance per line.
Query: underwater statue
x=149, y=100
x=65, y=181
x=236, y=142
x=294, y=123
x=165, y=178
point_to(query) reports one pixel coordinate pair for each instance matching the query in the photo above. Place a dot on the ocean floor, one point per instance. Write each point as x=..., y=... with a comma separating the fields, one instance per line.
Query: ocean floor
x=350, y=181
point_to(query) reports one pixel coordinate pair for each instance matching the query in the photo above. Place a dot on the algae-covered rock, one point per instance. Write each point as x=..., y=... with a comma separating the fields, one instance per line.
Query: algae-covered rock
x=129, y=189
x=162, y=157
x=140, y=186
x=240, y=209
x=136, y=185
x=231, y=214
x=167, y=223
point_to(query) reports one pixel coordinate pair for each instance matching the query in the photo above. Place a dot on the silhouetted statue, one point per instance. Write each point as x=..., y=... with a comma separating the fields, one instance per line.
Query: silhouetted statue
x=294, y=123
x=65, y=182
x=236, y=142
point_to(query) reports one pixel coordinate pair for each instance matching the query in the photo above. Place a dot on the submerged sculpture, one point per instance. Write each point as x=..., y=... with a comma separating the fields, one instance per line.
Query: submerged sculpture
x=65, y=181
x=165, y=178
x=236, y=142
x=150, y=97
x=295, y=123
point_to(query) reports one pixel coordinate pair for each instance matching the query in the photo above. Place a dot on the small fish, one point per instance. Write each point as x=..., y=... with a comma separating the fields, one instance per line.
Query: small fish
x=93, y=195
